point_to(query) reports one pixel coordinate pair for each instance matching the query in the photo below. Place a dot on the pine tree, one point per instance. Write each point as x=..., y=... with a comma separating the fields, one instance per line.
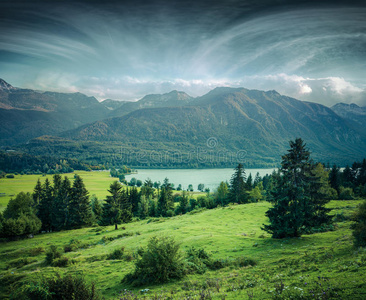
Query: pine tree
x=237, y=192
x=335, y=178
x=79, y=205
x=45, y=206
x=183, y=204
x=165, y=202
x=116, y=208
x=97, y=209
x=249, y=183
x=59, y=206
x=297, y=203
x=134, y=199
x=37, y=192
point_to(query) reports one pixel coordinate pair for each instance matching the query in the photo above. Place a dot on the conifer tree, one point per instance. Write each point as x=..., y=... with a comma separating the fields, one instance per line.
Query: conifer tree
x=134, y=199
x=335, y=178
x=116, y=208
x=45, y=206
x=237, y=192
x=37, y=192
x=165, y=202
x=97, y=209
x=183, y=203
x=297, y=204
x=61, y=202
x=79, y=205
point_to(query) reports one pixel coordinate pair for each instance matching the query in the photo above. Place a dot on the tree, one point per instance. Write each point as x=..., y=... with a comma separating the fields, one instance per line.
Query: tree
x=335, y=178
x=147, y=189
x=297, y=205
x=190, y=188
x=143, y=208
x=117, y=208
x=257, y=179
x=19, y=217
x=359, y=227
x=201, y=187
x=222, y=192
x=80, y=213
x=96, y=209
x=134, y=199
x=237, y=192
x=45, y=206
x=61, y=190
x=165, y=202
x=183, y=204
x=249, y=183
x=37, y=192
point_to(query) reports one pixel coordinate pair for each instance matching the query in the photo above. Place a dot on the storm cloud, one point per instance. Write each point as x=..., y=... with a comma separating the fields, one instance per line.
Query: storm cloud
x=124, y=50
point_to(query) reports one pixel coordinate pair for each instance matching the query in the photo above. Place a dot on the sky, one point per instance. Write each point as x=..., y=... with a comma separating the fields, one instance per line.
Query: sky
x=123, y=50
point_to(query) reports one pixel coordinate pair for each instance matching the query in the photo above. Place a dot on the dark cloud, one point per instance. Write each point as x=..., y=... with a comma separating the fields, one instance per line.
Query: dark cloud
x=125, y=49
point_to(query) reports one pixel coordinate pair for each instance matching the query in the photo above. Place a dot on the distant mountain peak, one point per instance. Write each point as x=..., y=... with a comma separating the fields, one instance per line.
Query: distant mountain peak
x=6, y=86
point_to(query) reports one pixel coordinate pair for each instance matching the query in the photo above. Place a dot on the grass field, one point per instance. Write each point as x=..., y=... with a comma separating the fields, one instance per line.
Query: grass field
x=301, y=267
x=96, y=183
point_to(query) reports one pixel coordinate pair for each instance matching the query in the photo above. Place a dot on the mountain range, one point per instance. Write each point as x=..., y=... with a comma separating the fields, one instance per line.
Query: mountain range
x=220, y=128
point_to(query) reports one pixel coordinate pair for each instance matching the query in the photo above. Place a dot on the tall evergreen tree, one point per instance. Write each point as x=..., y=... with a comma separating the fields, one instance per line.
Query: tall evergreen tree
x=45, y=206
x=237, y=192
x=79, y=205
x=37, y=192
x=296, y=204
x=96, y=209
x=183, y=203
x=165, y=202
x=249, y=183
x=134, y=199
x=59, y=207
x=335, y=178
x=117, y=207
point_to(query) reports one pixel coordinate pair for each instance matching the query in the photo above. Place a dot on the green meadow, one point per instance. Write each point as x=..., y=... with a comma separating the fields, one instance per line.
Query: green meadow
x=96, y=182
x=318, y=266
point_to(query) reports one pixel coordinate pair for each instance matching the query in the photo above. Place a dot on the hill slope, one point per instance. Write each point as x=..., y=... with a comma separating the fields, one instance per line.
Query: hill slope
x=229, y=234
x=259, y=123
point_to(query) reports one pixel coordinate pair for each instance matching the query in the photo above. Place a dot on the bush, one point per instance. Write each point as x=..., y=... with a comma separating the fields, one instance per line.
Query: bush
x=161, y=262
x=346, y=194
x=61, y=262
x=10, y=176
x=66, y=288
x=21, y=262
x=52, y=254
x=36, y=251
x=245, y=261
x=359, y=228
x=116, y=254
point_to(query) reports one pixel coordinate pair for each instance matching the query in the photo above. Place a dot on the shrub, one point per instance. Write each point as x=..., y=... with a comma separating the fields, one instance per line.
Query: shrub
x=161, y=262
x=245, y=261
x=36, y=251
x=10, y=176
x=18, y=263
x=116, y=254
x=52, y=254
x=346, y=194
x=67, y=288
x=359, y=228
x=61, y=262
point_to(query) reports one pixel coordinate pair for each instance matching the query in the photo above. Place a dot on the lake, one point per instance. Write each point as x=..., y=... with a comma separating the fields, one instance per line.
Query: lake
x=211, y=178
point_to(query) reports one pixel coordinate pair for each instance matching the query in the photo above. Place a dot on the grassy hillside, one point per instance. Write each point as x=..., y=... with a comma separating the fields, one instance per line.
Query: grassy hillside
x=284, y=267
x=96, y=183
